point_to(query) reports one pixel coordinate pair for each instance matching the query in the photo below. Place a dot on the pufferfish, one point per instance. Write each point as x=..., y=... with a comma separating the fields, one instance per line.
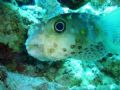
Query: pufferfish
x=75, y=35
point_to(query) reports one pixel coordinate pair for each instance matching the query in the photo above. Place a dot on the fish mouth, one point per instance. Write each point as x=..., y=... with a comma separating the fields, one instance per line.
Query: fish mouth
x=42, y=51
x=32, y=44
x=37, y=51
x=34, y=51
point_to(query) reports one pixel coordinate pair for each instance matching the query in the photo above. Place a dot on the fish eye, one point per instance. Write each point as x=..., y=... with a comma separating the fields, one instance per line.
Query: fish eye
x=59, y=26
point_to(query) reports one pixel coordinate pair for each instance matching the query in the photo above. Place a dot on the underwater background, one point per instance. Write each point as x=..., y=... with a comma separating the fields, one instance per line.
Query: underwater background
x=59, y=45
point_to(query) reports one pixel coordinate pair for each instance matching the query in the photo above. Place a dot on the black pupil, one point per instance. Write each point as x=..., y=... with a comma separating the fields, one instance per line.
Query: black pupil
x=60, y=26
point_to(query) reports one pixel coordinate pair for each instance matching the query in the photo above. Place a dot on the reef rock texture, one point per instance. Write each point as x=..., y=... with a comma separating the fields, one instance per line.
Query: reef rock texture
x=20, y=2
x=111, y=67
x=3, y=76
x=18, y=82
x=52, y=7
x=102, y=4
x=2, y=87
x=12, y=29
x=24, y=2
x=78, y=73
x=32, y=14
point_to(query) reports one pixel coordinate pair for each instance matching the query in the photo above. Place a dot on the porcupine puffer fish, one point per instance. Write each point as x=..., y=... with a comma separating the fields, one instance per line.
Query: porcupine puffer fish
x=75, y=35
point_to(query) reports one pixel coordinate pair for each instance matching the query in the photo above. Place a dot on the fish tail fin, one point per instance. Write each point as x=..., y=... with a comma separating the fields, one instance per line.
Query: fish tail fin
x=109, y=25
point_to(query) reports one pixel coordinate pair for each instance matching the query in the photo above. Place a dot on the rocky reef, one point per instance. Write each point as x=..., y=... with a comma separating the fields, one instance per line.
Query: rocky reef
x=110, y=66
x=20, y=71
x=12, y=29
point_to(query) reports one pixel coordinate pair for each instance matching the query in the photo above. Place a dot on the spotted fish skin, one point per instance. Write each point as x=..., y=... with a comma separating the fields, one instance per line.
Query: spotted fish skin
x=82, y=38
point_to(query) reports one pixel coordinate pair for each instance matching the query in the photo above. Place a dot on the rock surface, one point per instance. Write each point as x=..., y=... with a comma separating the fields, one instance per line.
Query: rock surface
x=12, y=29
